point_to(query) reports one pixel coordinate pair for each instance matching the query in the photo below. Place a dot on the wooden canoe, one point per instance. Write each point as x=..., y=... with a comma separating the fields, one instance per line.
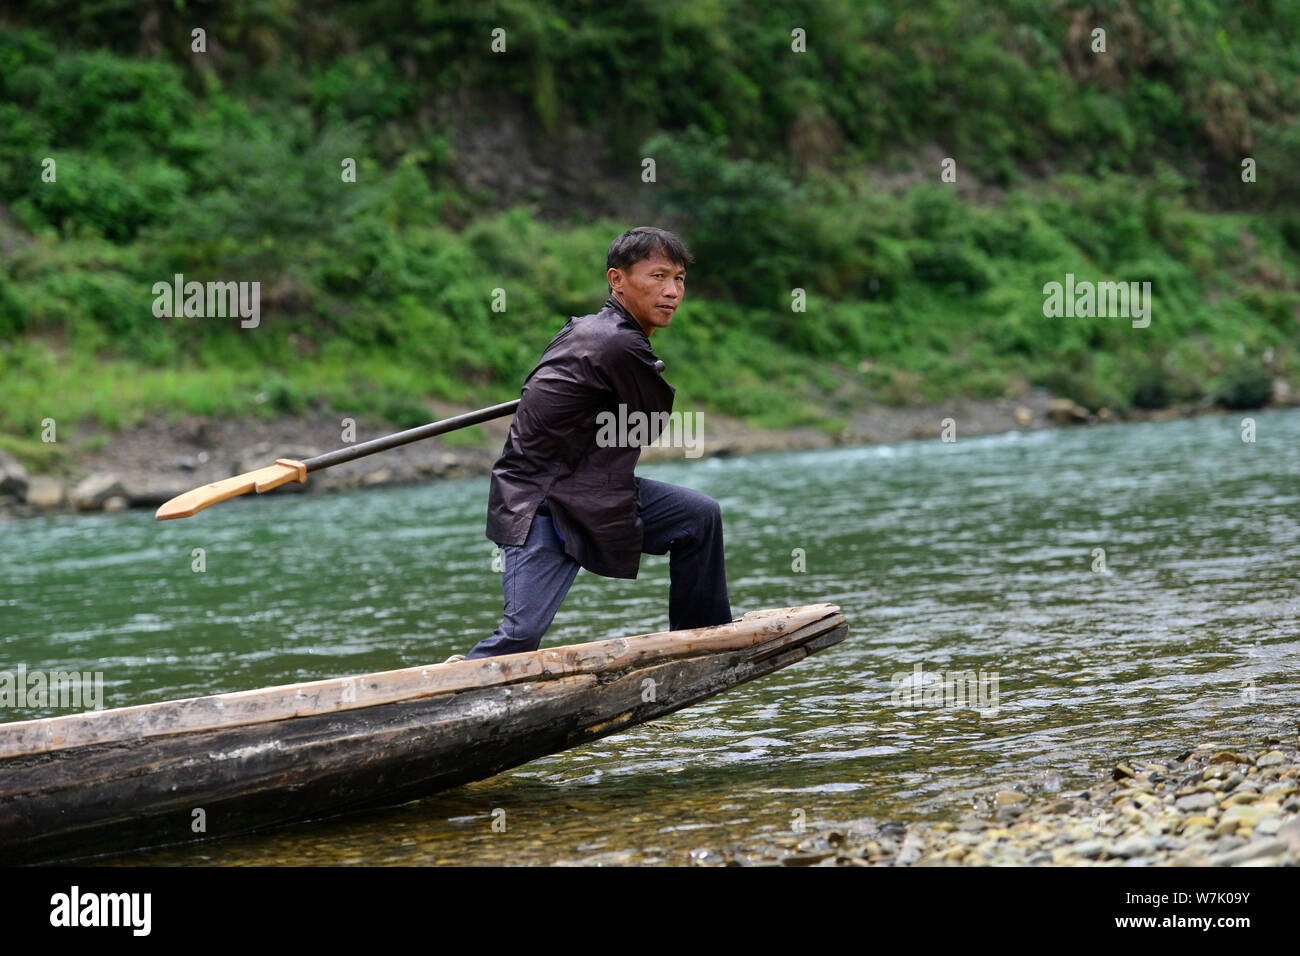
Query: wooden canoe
x=101, y=782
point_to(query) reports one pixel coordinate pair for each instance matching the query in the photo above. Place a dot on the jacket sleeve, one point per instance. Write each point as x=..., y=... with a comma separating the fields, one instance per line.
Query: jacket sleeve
x=626, y=366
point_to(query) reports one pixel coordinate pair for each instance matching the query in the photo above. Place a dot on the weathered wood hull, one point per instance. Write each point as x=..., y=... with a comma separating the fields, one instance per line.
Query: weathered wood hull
x=82, y=786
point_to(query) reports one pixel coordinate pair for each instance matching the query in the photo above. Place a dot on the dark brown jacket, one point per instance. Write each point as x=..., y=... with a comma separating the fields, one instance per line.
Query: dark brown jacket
x=591, y=366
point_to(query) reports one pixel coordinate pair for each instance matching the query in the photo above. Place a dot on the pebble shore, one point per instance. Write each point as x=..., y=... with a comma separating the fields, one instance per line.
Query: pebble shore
x=1205, y=807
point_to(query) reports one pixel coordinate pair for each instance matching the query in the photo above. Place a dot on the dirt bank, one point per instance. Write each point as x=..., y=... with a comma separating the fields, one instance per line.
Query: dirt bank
x=157, y=459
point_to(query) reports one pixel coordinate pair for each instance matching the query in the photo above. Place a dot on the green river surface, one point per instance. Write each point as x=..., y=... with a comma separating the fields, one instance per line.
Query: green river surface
x=971, y=555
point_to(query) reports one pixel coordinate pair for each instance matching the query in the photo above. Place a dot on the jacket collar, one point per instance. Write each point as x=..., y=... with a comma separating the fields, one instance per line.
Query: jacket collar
x=613, y=303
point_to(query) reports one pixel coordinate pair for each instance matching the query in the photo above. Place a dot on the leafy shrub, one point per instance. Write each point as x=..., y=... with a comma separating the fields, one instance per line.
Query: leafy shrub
x=1151, y=388
x=952, y=264
x=1245, y=385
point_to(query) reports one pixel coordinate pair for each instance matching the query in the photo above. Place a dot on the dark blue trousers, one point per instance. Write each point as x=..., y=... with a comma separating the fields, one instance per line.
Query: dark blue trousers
x=680, y=522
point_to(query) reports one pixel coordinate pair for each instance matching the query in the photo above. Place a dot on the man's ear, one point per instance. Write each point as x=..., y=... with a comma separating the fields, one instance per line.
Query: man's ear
x=614, y=274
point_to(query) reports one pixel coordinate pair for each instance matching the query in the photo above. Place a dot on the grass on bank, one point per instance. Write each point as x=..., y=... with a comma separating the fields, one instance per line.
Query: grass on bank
x=926, y=296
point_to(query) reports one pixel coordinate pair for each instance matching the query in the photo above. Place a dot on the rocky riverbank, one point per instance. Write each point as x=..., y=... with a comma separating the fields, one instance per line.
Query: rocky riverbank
x=1205, y=807
x=144, y=466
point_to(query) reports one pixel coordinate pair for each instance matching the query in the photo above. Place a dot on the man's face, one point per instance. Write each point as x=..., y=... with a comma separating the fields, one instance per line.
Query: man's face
x=651, y=290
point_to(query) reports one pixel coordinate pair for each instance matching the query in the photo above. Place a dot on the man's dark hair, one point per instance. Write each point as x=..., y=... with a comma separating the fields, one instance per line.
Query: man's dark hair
x=642, y=243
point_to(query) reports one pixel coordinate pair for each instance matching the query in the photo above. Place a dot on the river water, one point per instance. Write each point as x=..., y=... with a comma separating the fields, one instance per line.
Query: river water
x=979, y=555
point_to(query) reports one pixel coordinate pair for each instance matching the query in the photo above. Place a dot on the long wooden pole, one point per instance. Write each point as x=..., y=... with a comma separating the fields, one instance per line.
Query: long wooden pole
x=331, y=458
x=287, y=469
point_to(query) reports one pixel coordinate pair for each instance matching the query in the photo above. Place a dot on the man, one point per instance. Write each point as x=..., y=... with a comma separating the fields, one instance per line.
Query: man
x=561, y=500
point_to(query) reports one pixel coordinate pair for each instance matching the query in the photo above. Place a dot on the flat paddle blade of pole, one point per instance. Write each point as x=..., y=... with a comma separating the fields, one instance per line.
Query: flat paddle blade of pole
x=264, y=479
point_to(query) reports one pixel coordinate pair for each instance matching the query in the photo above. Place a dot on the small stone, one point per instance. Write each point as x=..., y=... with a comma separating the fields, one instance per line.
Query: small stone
x=1251, y=851
x=1088, y=849
x=1063, y=411
x=116, y=503
x=1192, y=822
x=13, y=477
x=1290, y=831
x=1227, y=756
x=1246, y=815
x=910, y=853
x=1268, y=826
x=1134, y=846
x=1007, y=797
x=45, y=492
x=814, y=845
x=1237, y=799
x=1195, y=801
x=702, y=856
x=1271, y=759
x=91, y=493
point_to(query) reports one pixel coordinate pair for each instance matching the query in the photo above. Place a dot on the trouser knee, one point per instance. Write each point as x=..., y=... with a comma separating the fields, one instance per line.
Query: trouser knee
x=708, y=515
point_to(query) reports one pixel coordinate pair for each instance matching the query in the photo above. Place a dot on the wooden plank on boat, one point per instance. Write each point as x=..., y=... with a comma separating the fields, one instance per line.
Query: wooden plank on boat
x=348, y=693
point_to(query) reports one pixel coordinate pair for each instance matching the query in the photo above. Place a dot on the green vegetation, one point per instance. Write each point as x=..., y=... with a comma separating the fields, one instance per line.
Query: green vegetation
x=783, y=171
x=38, y=455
